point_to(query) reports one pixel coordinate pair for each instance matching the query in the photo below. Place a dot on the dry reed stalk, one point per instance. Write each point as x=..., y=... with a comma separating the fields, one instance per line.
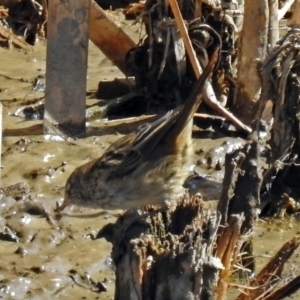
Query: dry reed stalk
x=226, y=251
x=271, y=274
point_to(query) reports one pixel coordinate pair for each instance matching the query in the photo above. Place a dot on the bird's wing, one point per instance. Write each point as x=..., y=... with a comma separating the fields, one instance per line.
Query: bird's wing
x=127, y=153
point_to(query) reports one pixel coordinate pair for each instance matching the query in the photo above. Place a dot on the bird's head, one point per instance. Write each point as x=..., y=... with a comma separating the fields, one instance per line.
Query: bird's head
x=74, y=191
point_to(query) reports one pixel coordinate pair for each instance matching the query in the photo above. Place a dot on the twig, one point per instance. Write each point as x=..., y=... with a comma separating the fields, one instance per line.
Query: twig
x=285, y=8
x=186, y=40
x=226, y=250
x=16, y=41
x=210, y=99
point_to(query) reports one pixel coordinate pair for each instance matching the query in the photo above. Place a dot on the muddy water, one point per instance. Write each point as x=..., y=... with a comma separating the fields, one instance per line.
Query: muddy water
x=44, y=260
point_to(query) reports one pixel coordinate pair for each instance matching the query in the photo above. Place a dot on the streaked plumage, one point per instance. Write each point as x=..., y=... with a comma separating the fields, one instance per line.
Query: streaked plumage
x=148, y=166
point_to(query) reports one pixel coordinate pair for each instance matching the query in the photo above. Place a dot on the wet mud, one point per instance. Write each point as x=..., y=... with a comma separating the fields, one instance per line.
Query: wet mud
x=42, y=258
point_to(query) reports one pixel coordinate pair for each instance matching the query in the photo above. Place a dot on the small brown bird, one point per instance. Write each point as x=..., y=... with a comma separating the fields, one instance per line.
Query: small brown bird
x=148, y=166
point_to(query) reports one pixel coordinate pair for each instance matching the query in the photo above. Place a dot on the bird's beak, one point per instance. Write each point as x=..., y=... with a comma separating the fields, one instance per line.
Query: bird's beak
x=66, y=202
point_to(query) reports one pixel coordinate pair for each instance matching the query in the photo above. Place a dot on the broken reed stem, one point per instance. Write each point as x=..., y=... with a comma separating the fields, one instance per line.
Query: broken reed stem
x=226, y=251
x=271, y=273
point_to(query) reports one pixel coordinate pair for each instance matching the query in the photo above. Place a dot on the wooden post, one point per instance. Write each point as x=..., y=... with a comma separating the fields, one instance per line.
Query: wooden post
x=66, y=67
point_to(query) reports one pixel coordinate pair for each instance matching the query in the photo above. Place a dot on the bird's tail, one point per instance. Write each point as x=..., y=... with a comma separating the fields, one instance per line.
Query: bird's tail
x=194, y=99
